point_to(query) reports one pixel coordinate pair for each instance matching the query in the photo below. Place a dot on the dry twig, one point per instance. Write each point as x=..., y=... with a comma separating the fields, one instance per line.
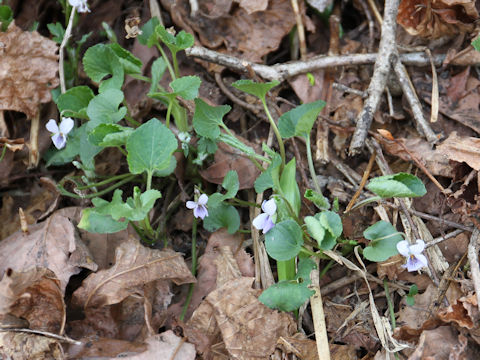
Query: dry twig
x=473, y=259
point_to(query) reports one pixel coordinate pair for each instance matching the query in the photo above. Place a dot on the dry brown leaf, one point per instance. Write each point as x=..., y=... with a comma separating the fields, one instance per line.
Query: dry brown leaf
x=249, y=328
x=52, y=244
x=459, y=148
x=166, y=345
x=21, y=346
x=228, y=158
x=305, y=91
x=96, y=347
x=301, y=347
x=250, y=36
x=135, y=266
x=433, y=19
x=35, y=296
x=436, y=344
x=28, y=70
x=343, y=352
x=252, y=6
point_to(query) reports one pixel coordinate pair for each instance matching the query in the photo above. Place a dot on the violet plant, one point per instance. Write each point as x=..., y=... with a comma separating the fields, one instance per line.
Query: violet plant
x=104, y=121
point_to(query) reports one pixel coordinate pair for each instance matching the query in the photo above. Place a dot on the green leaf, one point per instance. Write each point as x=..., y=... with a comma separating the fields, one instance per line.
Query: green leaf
x=290, y=295
x=299, y=121
x=259, y=90
x=100, y=61
x=384, y=238
x=57, y=31
x=206, y=145
x=158, y=69
x=287, y=295
x=150, y=147
x=186, y=87
x=182, y=41
x=476, y=43
x=222, y=216
x=332, y=222
x=167, y=170
x=397, y=185
x=270, y=177
x=284, y=240
x=207, y=119
x=93, y=222
x=6, y=17
x=74, y=101
x=318, y=199
x=148, y=36
x=131, y=64
x=106, y=135
x=214, y=200
x=112, y=37
x=103, y=108
x=231, y=184
x=289, y=186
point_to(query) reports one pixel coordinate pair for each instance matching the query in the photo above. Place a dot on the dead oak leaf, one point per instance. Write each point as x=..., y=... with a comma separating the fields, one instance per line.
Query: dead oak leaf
x=28, y=70
x=135, y=265
x=35, y=296
x=52, y=244
x=17, y=345
x=459, y=148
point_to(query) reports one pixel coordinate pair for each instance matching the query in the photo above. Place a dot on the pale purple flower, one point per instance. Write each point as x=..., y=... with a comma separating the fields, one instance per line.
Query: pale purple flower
x=59, y=137
x=80, y=5
x=264, y=221
x=199, y=207
x=415, y=259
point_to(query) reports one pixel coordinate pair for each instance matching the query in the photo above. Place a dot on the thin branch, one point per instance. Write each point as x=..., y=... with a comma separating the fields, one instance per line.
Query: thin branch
x=473, y=259
x=411, y=95
x=286, y=70
x=379, y=78
x=44, y=333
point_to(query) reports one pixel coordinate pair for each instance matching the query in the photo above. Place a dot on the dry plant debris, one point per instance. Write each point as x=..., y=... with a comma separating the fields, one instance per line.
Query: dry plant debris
x=28, y=70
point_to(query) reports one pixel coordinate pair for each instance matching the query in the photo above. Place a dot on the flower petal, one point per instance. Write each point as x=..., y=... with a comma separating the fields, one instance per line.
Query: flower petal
x=200, y=212
x=403, y=248
x=203, y=199
x=191, y=204
x=268, y=225
x=413, y=264
x=422, y=259
x=418, y=247
x=59, y=140
x=269, y=207
x=52, y=126
x=259, y=221
x=66, y=125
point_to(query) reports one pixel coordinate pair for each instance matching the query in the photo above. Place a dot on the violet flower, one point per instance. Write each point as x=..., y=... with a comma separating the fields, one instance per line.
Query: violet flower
x=59, y=137
x=199, y=207
x=80, y=5
x=264, y=221
x=415, y=259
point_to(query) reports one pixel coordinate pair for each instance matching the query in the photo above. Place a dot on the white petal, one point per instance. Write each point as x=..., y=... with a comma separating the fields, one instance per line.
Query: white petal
x=191, y=204
x=52, y=126
x=403, y=248
x=259, y=221
x=66, y=125
x=59, y=141
x=269, y=207
x=422, y=259
x=203, y=199
x=418, y=247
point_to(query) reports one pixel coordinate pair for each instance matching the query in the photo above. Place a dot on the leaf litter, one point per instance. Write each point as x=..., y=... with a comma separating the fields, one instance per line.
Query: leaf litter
x=113, y=293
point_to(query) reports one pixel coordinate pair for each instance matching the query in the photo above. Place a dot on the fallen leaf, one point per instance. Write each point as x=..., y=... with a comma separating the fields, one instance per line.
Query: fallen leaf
x=437, y=344
x=252, y=6
x=166, y=345
x=28, y=70
x=17, y=346
x=135, y=266
x=228, y=158
x=102, y=347
x=434, y=19
x=303, y=348
x=52, y=244
x=460, y=149
x=35, y=296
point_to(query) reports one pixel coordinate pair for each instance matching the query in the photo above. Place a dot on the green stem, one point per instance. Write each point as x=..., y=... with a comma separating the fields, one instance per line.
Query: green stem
x=390, y=304
x=365, y=202
x=149, y=180
x=194, y=269
x=141, y=77
x=311, y=167
x=124, y=152
x=104, y=182
x=175, y=64
x=244, y=203
x=326, y=268
x=100, y=193
x=167, y=61
x=4, y=151
x=167, y=117
x=277, y=133
x=286, y=269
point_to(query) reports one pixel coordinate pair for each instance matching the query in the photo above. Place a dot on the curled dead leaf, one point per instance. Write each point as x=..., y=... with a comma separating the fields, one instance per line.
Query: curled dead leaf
x=28, y=70
x=461, y=148
x=17, y=345
x=135, y=265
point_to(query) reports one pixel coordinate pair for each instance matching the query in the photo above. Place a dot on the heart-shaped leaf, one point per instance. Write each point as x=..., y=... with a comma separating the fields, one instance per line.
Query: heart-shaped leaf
x=397, y=185
x=284, y=240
